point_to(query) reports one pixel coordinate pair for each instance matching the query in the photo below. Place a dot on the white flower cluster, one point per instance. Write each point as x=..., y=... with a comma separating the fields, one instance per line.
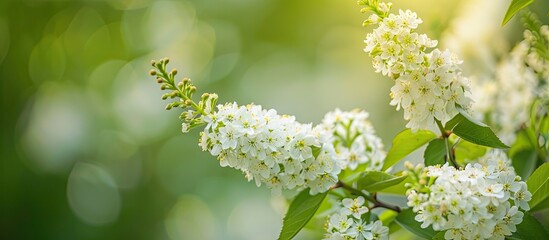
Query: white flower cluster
x=533, y=59
x=428, y=85
x=348, y=224
x=505, y=100
x=354, y=139
x=270, y=148
x=479, y=202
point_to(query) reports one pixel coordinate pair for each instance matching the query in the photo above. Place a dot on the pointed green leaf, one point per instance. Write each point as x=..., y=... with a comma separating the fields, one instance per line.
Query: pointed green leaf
x=316, y=151
x=373, y=181
x=523, y=154
x=435, y=152
x=514, y=7
x=530, y=229
x=406, y=219
x=439, y=236
x=405, y=143
x=473, y=131
x=538, y=185
x=301, y=210
x=399, y=189
x=465, y=150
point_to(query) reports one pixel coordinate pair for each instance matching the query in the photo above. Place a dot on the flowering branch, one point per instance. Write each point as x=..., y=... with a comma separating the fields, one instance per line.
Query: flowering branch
x=184, y=90
x=373, y=198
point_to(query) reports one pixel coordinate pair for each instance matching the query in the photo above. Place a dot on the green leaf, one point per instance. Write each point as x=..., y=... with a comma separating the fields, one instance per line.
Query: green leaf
x=435, y=152
x=406, y=219
x=301, y=210
x=530, y=229
x=524, y=162
x=523, y=154
x=405, y=143
x=439, y=236
x=473, y=131
x=387, y=217
x=316, y=151
x=514, y=7
x=538, y=185
x=465, y=150
x=399, y=189
x=373, y=181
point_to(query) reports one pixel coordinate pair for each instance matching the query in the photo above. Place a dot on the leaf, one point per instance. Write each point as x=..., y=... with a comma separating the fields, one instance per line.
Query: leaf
x=473, y=131
x=524, y=162
x=435, y=152
x=406, y=219
x=373, y=181
x=523, y=154
x=439, y=236
x=316, y=151
x=514, y=7
x=398, y=189
x=387, y=217
x=301, y=210
x=405, y=143
x=538, y=185
x=465, y=150
x=530, y=229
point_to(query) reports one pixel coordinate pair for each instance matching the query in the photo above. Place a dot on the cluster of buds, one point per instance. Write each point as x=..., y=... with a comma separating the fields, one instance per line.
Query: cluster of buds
x=381, y=10
x=193, y=113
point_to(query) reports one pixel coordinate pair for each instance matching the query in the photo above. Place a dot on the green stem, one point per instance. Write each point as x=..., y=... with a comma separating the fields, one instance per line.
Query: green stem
x=449, y=149
x=170, y=81
x=373, y=199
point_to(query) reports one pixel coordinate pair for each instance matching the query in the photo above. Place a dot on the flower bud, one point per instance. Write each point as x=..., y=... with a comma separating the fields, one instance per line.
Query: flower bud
x=185, y=128
x=153, y=63
x=152, y=72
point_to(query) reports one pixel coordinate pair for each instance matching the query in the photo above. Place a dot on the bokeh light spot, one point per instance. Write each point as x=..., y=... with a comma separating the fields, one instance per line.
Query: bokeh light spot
x=57, y=130
x=191, y=218
x=93, y=195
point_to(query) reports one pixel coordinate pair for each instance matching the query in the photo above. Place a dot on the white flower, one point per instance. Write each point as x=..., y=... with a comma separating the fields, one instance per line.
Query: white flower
x=512, y=218
x=347, y=223
x=354, y=207
x=523, y=196
x=334, y=236
x=184, y=127
x=379, y=232
x=360, y=230
x=340, y=222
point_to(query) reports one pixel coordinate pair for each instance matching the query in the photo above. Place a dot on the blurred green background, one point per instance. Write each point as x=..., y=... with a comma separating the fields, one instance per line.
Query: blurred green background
x=88, y=151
